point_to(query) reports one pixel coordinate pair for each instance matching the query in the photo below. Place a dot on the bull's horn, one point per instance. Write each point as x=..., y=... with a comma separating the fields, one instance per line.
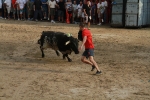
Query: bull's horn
x=67, y=42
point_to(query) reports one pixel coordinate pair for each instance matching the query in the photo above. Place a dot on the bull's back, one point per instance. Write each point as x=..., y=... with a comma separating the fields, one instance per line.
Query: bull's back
x=60, y=36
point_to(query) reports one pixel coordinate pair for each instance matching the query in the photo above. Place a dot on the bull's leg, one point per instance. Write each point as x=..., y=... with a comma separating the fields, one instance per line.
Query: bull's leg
x=57, y=53
x=66, y=55
x=42, y=52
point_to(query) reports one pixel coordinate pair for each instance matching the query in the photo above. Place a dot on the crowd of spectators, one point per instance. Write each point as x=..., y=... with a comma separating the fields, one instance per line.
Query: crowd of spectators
x=68, y=11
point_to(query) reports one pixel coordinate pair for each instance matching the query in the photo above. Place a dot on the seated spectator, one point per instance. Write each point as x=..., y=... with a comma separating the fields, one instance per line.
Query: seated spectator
x=52, y=4
x=100, y=11
x=74, y=5
x=37, y=6
x=61, y=9
x=68, y=11
x=8, y=7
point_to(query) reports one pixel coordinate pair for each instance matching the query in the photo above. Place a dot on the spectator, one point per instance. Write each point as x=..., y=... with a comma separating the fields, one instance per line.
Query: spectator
x=100, y=11
x=61, y=9
x=37, y=6
x=105, y=11
x=74, y=11
x=0, y=8
x=93, y=12
x=29, y=9
x=25, y=9
x=14, y=8
x=68, y=11
x=21, y=4
x=79, y=11
x=8, y=7
x=52, y=4
x=87, y=13
x=44, y=8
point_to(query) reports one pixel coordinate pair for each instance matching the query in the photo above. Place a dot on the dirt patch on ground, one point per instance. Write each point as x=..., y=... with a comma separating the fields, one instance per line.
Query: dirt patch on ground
x=123, y=55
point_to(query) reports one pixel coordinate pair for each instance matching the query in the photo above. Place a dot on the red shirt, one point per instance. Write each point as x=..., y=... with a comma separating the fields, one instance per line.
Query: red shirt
x=89, y=43
x=14, y=3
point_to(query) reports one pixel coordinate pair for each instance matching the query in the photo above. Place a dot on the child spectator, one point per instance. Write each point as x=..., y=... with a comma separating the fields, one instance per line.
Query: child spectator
x=68, y=11
x=74, y=11
x=61, y=9
x=100, y=11
x=14, y=8
x=8, y=7
x=79, y=11
x=52, y=4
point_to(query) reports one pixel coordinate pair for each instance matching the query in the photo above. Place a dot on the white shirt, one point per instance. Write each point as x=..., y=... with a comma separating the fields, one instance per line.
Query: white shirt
x=8, y=3
x=105, y=3
x=102, y=5
x=52, y=4
x=21, y=3
x=79, y=7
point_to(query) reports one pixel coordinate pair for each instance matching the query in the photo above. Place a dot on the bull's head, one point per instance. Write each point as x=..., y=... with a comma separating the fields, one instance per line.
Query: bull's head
x=73, y=42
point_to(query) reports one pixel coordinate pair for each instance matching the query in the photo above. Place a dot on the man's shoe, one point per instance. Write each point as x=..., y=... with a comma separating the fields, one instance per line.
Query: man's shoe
x=98, y=72
x=93, y=67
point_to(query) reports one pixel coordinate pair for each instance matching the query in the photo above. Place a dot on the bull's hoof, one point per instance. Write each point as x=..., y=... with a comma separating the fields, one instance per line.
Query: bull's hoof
x=43, y=56
x=69, y=60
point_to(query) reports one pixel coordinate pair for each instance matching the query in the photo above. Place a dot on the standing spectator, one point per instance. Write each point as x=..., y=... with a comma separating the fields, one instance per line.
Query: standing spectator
x=21, y=4
x=37, y=9
x=8, y=6
x=79, y=10
x=100, y=11
x=44, y=8
x=87, y=13
x=29, y=9
x=14, y=8
x=0, y=8
x=93, y=11
x=52, y=4
x=105, y=11
x=68, y=11
x=61, y=9
x=74, y=11
x=25, y=9
x=32, y=10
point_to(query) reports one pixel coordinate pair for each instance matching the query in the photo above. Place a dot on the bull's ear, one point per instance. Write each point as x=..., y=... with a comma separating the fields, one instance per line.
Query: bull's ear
x=67, y=42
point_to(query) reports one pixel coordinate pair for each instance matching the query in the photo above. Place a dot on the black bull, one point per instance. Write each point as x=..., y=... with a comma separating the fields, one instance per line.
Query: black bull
x=58, y=41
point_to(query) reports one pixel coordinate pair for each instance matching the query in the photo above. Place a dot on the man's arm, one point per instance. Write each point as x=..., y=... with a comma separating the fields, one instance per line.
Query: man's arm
x=83, y=42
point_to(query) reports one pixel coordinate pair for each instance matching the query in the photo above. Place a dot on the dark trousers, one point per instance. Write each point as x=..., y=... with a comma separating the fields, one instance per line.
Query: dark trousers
x=36, y=14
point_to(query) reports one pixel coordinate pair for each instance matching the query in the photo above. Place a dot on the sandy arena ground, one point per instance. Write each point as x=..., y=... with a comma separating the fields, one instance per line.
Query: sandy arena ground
x=123, y=55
